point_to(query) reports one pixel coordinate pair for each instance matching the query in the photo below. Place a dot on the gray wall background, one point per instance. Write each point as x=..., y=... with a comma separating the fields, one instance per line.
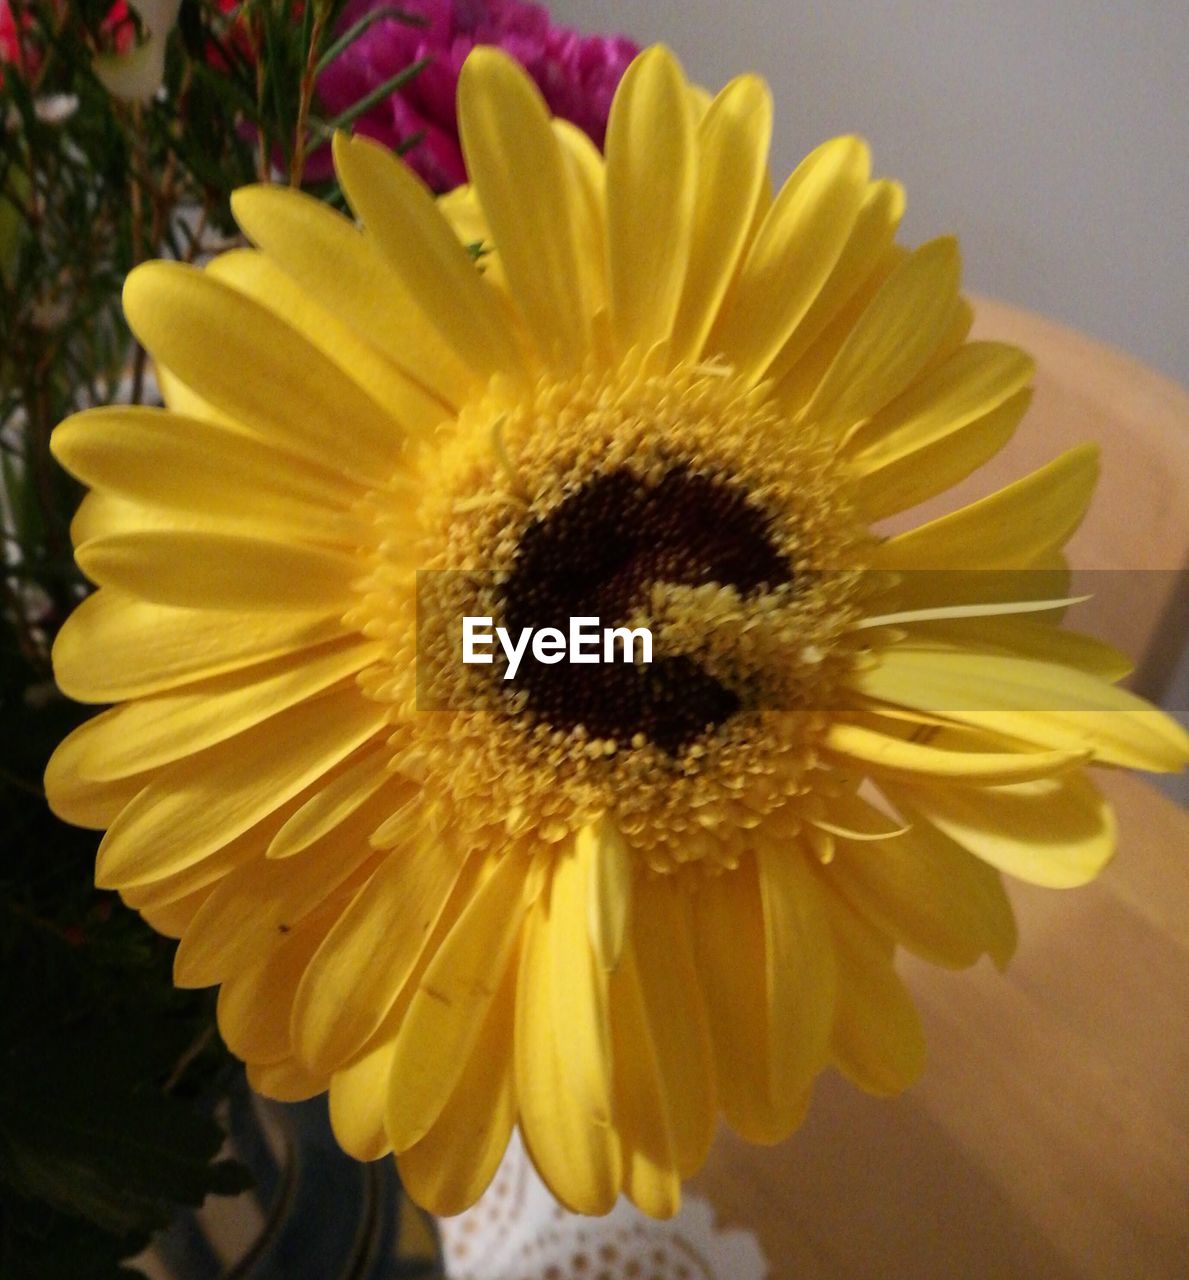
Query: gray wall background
x=1052, y=136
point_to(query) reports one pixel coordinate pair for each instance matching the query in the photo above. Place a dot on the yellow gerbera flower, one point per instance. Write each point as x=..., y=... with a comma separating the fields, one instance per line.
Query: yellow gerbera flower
x=602, y=902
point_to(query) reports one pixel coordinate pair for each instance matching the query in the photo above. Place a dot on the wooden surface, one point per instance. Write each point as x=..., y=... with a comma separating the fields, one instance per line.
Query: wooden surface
x=1049, y=1134
x=1135, y=540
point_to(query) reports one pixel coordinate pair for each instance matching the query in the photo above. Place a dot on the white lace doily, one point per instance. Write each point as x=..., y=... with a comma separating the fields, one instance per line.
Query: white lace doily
x=518, y=1231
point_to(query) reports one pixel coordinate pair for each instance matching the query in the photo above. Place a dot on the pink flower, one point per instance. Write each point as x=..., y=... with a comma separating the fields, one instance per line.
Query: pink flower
x=577, y=74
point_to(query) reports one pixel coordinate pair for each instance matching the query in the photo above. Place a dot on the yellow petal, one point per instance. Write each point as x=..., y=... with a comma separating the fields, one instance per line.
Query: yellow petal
x=893, y=338
x=172, y=918
x=357, y=1099
x=401, y=396
x=152, y=732
x=586, y=187
x=369, y=954
x=114, y=646
x=256, y=905
x=729, y=945
x=896, y=757
x=857, y=274
x=793, y=254
x=580, y=980
x=976, y=379
x=254, y=1003
x=198, y=805
x=447, y=1012
x=1059, y=832
x=732, y=147
x=578, y=1159
x=207, y=872
x=802, y=377
x=923, y=890
x=74, y=796
x=676, y=1016
x=343, y=271
x=1027, y=638
x=435, y=269
x=1010, y=529
x=451, y=1167
x=516, y=166
x=600, y=849
x=333, y=804
x=279, y=386
x=800, y=974
x=220, y=571
x=285, y=1081
x=877, y=1041
x=935, y=468
x=650, y=198
x=910, y=619
x=1043, y=703
x=650, y=1175
x=1045, y=579
x=157, y=458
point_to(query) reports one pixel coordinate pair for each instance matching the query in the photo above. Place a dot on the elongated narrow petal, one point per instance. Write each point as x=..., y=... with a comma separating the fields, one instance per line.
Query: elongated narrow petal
x=1027, y=638
x=893, y=756
x=114, y=646
x=452, y=1165
x=369, y=954
x=601, y=851
x=257, y=904
x=153, y=732
x=451, y=1004
x=642, y=1112
x=434, y=267
x=877, y=1040
x=1011, y=529
x=335, y=264
x=253, y=1005
x=579, y=977
x=731, y=953
x=198, y=805
x=1047, y=704
x=857, y=275
x=1058, y=832
x=676, y=1016
x=516, y=165
x=188, y=466
x=651, y=169
x=281, y=387
x=220, y=571
x=256, y=276
x=577, y=1156
x=330, y=807
x=801, y=976
x=975, y=380
x=936, y=467
x=793, y=254
x=357, y=1100
x=732, y=155
x=924, y=890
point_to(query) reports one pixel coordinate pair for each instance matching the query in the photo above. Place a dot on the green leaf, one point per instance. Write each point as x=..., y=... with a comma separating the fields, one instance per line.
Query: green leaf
x=81, y=1131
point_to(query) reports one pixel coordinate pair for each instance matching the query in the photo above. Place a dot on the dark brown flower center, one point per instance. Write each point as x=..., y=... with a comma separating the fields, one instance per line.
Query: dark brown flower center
x=597, y=554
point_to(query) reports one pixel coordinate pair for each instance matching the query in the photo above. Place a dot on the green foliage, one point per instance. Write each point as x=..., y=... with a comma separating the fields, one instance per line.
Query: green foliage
x=107, y=1074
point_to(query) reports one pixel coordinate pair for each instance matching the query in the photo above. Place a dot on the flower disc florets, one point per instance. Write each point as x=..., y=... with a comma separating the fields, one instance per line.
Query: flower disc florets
x=666, y=500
